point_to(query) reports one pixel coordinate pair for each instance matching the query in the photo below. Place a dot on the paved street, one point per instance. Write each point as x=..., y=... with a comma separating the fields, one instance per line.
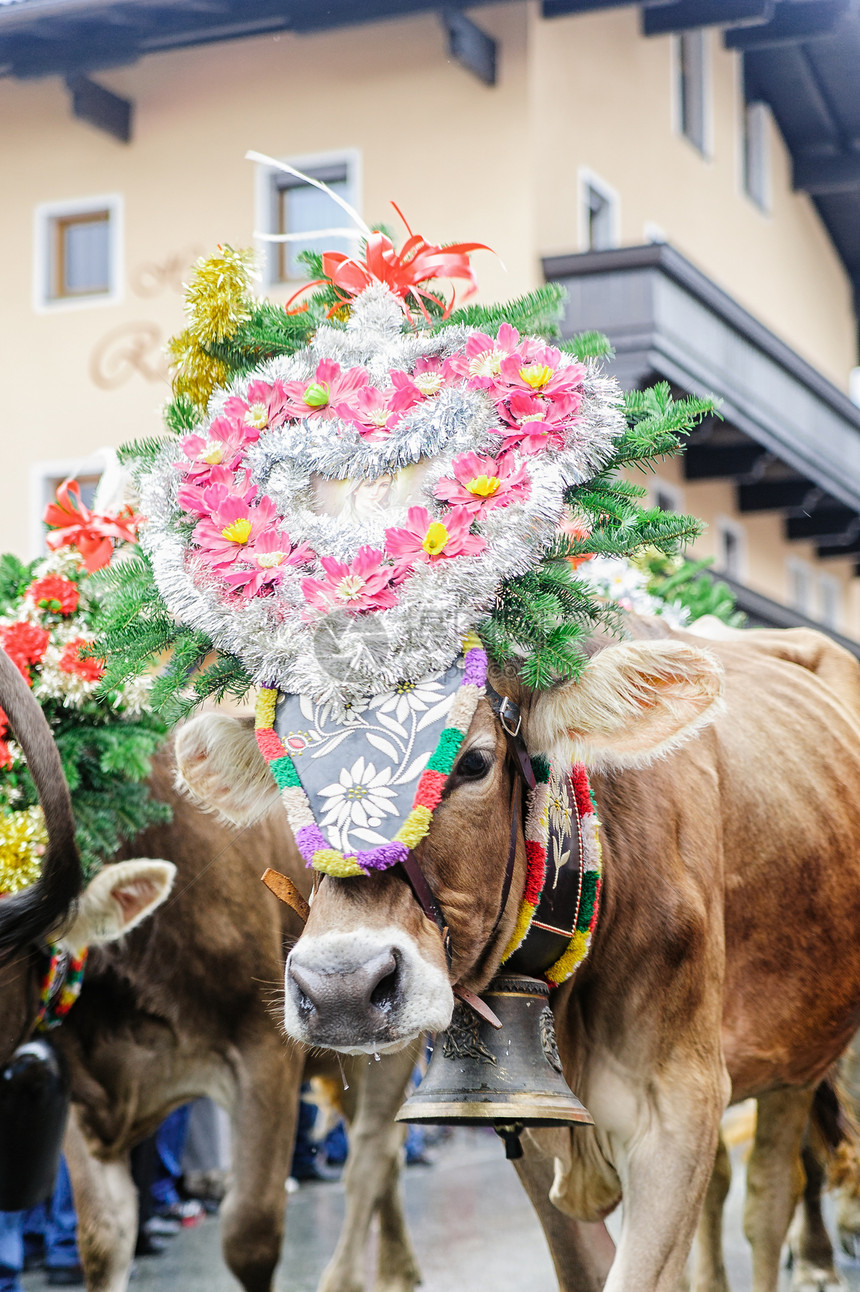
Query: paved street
x=472, y=1226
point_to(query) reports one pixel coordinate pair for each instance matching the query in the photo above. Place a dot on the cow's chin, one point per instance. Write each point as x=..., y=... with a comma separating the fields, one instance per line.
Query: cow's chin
x=366, y=992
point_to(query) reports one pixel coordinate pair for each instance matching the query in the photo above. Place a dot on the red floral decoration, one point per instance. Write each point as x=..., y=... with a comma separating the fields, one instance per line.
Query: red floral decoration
x=71, y=661
x=25, y=644
x=5, y=752
x=54, y=593
x=91, y=533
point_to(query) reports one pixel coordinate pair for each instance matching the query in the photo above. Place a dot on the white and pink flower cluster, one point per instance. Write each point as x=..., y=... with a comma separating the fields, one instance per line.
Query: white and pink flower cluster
x=239, y=540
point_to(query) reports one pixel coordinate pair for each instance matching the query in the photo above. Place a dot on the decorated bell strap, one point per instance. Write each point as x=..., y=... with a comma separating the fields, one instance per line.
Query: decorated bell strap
x=345, y=785
x=560, y=903
x=60, y=986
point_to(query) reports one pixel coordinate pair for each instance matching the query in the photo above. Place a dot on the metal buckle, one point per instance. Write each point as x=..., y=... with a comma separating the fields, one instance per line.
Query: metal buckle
x=508, y=706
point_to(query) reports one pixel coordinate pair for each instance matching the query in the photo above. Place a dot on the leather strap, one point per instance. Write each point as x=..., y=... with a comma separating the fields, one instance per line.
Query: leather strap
x=426, y=900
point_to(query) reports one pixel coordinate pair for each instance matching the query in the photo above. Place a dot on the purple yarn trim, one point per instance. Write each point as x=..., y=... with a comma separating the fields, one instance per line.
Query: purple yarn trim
x=475, y=668
x=387, y=854
x=310, y=839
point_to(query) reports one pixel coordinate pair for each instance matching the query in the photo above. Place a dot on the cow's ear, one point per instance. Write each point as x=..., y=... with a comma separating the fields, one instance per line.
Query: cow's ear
x=633, y=702
x=219, y=764
x=117, y=899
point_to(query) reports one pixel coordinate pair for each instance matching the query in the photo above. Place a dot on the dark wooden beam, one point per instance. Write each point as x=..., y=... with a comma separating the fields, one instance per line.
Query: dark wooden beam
x=100, y=107
x=828, y=550
x=468, y=45
x=827, y=525
x=717, y=461
x=777, y=495
x=686, y=14
x=558, y=8
x=800, y=20
x=839, y=173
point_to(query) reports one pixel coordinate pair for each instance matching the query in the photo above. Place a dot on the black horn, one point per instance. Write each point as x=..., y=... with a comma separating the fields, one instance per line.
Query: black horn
x=35, y=910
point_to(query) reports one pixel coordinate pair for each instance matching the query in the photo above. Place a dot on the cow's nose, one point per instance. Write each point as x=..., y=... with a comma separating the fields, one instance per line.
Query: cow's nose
x=343, y=999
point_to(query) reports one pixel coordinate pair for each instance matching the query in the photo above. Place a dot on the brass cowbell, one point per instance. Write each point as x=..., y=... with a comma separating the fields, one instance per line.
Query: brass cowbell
x=509, y=1078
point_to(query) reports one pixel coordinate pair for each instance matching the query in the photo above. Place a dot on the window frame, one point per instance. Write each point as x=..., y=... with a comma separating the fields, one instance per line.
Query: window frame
x=267, y=186
x=705, y=146
x=756, y=125
x=49, y=218
x=829, y=584
x=589, y=181
x=797, y=569
x=727, y=526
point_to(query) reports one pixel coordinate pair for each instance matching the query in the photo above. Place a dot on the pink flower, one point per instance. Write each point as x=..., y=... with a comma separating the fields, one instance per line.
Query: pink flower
x=535, y=424
x=262, y=406
x=363, y=584
x=481, y=361
x=196, y=497
x=233, y=525
x=268, y=557
x=537, y=370
x=370, y=413
x=329, y=388
x=426, y=381
x=479, y=484
x=222, y=446
x=426, y=539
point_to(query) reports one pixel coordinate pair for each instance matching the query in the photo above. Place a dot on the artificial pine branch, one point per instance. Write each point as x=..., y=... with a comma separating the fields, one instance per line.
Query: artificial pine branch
x=537, y=313
x=587, y=345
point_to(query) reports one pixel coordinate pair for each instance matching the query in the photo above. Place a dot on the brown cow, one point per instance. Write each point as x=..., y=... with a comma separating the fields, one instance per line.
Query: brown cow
x=725, y=963
x=180, y=1008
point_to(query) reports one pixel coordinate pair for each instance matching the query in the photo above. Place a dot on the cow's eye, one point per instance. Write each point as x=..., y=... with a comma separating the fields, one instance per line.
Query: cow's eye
x=474, y=764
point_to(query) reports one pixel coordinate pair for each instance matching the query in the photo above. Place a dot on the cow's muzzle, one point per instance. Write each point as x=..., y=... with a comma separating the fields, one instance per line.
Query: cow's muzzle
x=360, y=993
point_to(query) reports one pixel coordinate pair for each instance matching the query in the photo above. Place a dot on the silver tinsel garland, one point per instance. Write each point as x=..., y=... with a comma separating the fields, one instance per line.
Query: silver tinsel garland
x=338, y=657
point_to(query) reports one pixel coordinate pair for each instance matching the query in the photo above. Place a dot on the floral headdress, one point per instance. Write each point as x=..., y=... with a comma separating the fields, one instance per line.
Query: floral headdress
x=48, y=616
x=363, y=502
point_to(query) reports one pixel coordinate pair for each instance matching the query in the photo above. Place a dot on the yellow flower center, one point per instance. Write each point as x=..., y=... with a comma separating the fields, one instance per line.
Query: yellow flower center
x=379, y=417
x=239, y=531
x=213, y=455
x=435, y=538
x=269, y=560
x=429, y=383
x=484, y=486
x=257, y=415
x=537, y=375
x=350, y=587
x=486, y=364
x=530, y=417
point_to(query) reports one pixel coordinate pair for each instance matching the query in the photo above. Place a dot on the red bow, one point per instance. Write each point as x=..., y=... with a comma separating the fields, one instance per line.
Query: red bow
x=74, y=525
x=403, y=272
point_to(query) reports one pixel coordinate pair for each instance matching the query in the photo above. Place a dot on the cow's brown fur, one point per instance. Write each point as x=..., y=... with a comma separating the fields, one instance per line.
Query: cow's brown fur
x=732, y=893
x=181, y=1007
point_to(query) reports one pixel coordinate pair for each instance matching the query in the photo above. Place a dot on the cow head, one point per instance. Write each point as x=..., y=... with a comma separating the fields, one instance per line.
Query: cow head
x=114, y=902
x=369, y=972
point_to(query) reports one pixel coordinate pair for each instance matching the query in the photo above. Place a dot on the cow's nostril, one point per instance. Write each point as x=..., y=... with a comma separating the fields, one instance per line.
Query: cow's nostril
x=385, y=991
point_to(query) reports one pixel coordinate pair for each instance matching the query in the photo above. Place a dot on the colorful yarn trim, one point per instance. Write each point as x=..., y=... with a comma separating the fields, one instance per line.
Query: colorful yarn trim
x=537, y=833
x=311, y=841
x=60, y=986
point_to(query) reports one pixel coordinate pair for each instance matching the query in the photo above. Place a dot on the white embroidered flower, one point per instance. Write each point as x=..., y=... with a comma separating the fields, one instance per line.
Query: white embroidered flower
x=410, y=697
x=359, y=800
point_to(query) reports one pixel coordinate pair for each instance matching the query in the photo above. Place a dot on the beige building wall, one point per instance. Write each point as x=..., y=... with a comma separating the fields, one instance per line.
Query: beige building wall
x=503, y=165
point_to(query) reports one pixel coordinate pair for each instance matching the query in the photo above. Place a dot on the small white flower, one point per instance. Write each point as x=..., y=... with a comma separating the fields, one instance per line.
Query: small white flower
x=360, y=797
x=409, y=697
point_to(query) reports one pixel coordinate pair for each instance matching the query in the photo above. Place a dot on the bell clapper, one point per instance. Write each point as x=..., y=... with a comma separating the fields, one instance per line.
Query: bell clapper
x=511, y=1135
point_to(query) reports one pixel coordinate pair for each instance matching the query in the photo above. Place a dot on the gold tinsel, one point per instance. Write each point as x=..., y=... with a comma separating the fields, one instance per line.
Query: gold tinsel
x=23, y=839
x=195, y=373
x=217, y=299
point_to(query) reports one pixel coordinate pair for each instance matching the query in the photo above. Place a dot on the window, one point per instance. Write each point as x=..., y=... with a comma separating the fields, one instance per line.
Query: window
x=692, y=87
x=599, y=220
x=666, y=496
x=77, y=252
x=756, y=154
x=292, y=206
x=730, y=556
x=829, y=601
x=800, y=586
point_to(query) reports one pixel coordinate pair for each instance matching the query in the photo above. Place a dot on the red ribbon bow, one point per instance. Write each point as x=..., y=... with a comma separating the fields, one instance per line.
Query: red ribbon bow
x=74, y=525
x=403, y=272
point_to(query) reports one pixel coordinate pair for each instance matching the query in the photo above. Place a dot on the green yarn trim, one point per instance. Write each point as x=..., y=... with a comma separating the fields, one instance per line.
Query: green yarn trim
x=284, y=772
x=586, y=905
x=445, y=753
